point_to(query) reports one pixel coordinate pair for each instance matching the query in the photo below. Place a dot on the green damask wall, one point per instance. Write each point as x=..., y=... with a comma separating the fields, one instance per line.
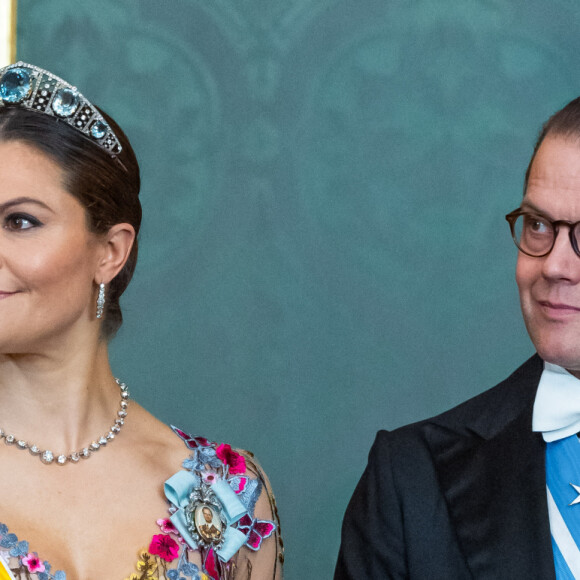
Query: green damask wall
x=324, y=251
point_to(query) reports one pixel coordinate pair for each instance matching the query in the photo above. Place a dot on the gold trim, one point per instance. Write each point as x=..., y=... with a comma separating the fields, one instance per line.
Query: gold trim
x=13, y=24
x=7, y=31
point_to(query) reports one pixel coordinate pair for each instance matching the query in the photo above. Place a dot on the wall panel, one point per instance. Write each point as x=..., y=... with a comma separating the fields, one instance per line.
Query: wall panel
x=324, y=252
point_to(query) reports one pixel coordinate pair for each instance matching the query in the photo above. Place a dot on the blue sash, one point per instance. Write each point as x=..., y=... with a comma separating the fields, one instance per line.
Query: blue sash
x=563, y=469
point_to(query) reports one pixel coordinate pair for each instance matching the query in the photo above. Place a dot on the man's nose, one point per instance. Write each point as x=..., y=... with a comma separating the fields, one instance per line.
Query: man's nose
x=562, y=262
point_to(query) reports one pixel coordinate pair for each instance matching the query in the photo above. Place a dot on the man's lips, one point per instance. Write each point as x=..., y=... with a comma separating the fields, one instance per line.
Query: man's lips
x=558, y=307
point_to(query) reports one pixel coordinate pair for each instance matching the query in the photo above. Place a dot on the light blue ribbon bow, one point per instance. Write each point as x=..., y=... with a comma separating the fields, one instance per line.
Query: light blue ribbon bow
x=177, y=490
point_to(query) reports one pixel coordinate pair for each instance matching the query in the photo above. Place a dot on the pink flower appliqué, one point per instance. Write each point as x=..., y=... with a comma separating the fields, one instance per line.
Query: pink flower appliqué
x=164, y=546
x=209, y=477
x=33, y=563
x=235, y=461
x=167, y=526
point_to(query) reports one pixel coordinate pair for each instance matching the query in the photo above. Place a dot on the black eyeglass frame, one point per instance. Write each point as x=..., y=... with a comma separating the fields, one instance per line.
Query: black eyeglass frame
x=514, y=215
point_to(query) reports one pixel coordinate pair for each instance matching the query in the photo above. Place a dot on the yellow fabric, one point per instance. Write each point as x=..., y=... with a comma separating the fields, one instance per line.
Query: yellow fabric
x=4, y=572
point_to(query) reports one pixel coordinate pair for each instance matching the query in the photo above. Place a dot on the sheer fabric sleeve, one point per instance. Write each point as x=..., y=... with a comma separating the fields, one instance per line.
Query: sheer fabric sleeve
x=266, y=562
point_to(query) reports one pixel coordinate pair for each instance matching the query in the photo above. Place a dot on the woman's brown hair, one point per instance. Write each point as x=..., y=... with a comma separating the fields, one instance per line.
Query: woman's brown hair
x=107, y=186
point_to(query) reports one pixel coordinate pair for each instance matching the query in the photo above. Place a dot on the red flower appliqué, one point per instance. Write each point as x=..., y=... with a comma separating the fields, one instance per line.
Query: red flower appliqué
x=235, y=461
x=33, y=563
x=165, y=547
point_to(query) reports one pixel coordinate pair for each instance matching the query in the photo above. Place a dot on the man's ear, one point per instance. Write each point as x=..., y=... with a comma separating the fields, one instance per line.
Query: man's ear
x=117, y=244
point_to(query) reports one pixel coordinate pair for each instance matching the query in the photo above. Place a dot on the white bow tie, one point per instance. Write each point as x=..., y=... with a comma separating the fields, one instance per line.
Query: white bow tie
x=557, y=405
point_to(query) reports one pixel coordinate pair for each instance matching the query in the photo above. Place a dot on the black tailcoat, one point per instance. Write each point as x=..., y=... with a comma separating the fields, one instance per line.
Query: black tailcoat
x=459, y=496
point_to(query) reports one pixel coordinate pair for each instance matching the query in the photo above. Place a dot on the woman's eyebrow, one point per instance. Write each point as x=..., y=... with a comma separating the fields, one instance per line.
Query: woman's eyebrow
x=20, y=200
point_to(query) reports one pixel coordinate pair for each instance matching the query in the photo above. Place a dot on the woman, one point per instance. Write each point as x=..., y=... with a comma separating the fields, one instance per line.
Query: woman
x=92, y=485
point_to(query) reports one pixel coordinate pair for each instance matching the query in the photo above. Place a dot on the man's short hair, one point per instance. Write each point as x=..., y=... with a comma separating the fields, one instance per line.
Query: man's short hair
x=563, y=123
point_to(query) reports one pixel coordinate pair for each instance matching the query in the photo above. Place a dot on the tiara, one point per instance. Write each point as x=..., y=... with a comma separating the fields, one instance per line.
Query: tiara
x=30, y=87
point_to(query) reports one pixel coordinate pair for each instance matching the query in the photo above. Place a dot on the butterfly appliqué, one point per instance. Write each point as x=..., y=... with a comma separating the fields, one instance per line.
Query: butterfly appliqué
x=192, y=442
x=256, y=530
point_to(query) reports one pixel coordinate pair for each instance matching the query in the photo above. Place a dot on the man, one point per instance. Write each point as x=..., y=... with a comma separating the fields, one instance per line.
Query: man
x=208, y=531
x=489, y=489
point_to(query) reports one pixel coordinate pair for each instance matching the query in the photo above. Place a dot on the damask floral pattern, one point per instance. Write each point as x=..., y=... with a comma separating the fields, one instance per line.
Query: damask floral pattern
x=324, y=185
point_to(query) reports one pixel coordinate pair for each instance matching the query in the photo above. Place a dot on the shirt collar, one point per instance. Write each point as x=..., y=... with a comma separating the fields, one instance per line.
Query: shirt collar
x=557, y=405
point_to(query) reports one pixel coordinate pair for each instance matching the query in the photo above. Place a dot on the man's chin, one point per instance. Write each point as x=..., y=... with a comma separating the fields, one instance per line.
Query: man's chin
x=563, y=357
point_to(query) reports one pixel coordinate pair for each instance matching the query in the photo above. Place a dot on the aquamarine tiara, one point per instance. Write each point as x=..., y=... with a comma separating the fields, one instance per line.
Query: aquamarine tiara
x=30, y=87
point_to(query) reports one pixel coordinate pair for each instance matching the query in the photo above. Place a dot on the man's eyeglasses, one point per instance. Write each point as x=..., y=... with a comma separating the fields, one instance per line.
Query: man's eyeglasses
x=535, y=234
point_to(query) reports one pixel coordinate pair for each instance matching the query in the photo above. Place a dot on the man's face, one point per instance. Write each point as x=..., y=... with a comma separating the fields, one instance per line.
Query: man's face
x=207, y=515
x=550, y=286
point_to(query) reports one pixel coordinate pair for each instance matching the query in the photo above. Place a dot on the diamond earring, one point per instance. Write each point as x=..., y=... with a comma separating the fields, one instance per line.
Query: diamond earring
x=101, y=300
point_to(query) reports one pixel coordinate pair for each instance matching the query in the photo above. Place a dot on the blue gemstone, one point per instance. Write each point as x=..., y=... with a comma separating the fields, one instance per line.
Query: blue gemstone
x=15, y=85
x=65, y=102
x=99, y=130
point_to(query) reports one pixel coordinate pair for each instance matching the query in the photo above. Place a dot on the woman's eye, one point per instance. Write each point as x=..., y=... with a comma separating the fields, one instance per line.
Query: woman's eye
x=20, y=222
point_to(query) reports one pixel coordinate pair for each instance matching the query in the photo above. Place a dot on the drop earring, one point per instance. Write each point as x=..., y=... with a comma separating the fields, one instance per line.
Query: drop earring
x=101, y=300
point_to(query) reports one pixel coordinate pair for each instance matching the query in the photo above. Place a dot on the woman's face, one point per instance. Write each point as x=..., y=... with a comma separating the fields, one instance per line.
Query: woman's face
x=48, y=257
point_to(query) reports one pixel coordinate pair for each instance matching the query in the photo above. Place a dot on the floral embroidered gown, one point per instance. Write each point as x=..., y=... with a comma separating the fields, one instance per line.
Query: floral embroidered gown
x=209, y=532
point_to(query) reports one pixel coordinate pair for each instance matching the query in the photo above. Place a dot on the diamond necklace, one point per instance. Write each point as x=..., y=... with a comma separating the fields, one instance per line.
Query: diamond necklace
x=47, y=457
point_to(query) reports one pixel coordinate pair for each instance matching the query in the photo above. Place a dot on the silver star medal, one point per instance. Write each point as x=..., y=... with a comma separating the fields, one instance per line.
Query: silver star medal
x=577, y=489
